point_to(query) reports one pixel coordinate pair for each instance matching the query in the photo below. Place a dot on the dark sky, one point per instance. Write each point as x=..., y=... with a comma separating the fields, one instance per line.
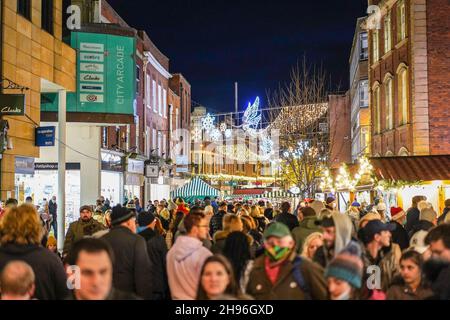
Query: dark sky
x=254, y=42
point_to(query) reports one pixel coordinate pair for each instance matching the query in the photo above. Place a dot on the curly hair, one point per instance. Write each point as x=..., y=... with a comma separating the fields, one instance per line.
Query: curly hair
x=21, y=226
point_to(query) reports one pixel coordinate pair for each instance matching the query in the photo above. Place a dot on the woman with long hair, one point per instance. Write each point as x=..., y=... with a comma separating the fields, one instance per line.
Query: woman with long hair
x=312, y=242
x=237, y=250
x=217, y=280
x=259, y=217
x=21, y=235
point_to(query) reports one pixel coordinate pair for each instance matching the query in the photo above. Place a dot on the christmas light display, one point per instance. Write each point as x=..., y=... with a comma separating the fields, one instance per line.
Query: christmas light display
x=228, y=133
x=196, y=135
x=252, y=117
x=215, y=135
x=223, y=127
x=208, y=123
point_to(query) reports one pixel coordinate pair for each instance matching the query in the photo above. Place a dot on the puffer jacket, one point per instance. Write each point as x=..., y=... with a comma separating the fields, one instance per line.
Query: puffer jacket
x=307, y=226
x=184, y=263
x=286, y=287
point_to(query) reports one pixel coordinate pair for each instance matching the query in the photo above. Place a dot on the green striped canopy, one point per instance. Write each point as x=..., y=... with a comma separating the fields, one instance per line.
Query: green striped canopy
x=195, y=189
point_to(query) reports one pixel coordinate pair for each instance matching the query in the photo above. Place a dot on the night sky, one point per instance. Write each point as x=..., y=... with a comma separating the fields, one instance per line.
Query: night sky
x=254, y=42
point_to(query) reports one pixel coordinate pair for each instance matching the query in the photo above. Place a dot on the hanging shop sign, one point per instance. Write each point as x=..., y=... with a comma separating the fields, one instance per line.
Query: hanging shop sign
x=135, y=166
x=24, y=165
x=12, y=104
x=152, y=171
x=105, y=75
x=112, y=162
x=45, y=136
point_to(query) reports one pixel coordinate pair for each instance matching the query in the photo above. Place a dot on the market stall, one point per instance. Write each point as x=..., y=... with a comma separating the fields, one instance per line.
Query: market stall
x=195, y=189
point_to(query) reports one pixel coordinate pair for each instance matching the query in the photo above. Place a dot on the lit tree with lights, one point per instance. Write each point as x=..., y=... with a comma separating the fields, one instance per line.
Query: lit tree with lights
x=300, y=112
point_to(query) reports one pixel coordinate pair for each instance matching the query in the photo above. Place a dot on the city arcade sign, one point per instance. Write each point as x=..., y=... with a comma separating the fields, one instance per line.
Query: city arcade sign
x=12, y=104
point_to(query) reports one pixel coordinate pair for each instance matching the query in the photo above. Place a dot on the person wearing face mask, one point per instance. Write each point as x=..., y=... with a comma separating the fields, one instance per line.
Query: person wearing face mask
x=132, y=267
x=399, y=234
x=344, y=274
x=281, y=274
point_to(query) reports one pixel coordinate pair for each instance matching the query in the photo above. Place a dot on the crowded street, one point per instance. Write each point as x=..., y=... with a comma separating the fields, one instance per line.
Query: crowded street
x=324, y=176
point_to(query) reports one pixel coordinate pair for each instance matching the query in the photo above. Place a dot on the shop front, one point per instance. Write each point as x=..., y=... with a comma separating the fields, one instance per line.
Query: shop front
x=42, y=183
x=133, y=179
x=112, y=177
x=24, y=171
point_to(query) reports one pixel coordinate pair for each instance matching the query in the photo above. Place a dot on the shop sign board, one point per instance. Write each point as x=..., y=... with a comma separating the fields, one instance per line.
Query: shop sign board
x=12, y=104
x=45, y=136
x=135, y=166
x=106, y=77
x=152, y=171
x=49, y=166
x=24, y=165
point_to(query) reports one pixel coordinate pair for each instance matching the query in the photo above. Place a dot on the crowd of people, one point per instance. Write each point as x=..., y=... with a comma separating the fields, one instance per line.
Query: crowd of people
x=231, y=250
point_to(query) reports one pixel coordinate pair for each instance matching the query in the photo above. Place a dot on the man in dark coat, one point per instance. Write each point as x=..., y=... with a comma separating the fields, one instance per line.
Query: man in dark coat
x=132, y=267
x=216, y=220
x=157, y=251
x=85, y=226
x=286, y=217
x=53, y=210
x=413, y=213
x=399, y=234
x=427, y=220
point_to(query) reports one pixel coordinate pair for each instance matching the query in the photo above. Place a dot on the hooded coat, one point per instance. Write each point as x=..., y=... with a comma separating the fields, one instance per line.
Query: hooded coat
x=307, y=226
x=344, y=229
x=48, y=269
x=184, y=263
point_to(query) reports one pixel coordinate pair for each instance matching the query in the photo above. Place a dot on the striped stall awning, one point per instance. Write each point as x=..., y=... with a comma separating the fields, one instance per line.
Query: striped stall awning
x=195, y=189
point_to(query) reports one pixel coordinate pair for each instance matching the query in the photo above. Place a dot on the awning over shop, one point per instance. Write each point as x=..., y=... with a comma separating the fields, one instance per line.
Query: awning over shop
x=414, y=168
x=195, y=189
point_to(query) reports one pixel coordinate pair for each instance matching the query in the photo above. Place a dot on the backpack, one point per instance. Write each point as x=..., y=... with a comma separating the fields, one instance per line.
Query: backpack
x=298, y=277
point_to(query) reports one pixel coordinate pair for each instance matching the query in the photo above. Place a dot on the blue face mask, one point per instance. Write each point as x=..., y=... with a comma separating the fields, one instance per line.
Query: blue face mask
x=140, y=229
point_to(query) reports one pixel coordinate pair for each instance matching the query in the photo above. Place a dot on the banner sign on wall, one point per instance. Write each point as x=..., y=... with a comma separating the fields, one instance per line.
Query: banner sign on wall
x=106, y=77
x=45, y=136
x=12, y=104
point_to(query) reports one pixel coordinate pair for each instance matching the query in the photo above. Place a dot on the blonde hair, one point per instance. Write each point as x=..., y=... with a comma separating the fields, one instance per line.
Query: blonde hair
x=308, y=240
x=209, y=210
x=21, y=226
x=248, y=222
x=255, y=212
x=232, y=223
x=424, y=205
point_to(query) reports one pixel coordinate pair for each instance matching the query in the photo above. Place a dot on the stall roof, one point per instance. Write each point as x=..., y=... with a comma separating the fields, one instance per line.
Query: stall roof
x=249, y=191
x=414, y=168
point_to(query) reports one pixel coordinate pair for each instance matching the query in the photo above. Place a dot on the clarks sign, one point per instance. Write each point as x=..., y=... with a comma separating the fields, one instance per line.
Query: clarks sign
x=12, y=104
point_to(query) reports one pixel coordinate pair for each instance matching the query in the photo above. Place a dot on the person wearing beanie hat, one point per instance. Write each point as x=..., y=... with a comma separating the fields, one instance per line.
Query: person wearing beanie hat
x=132, y=270
x=427, y=221
x=281, y=274
x=86, y=225
x=344, y=276
x=157, y=251
x=399, y=235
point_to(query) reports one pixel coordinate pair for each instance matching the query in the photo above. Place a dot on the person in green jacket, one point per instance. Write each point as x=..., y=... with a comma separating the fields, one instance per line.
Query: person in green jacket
x=85, y=226
x=306, y=227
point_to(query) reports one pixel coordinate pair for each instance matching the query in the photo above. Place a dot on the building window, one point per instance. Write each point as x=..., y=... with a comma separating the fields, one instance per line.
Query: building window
x=165, y=103
x=376, y=108
x=363, y=42
x=147, y=141
x=160, y=99
x=364, y=141
x=154, y=146
x=387, y=33
x=138, y=79
x=154, y=96
x=165, y=145
x=375, y=46
x=148, y=91
x=104, y=137
x=389, y=103
x=177, y=115
x=47, y=15
x=401, y=20
x=24, y=8
x=403, y=107
x=364, y=94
